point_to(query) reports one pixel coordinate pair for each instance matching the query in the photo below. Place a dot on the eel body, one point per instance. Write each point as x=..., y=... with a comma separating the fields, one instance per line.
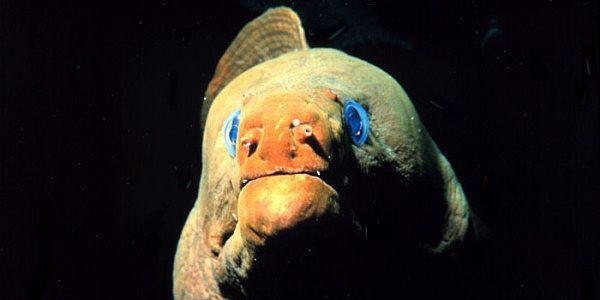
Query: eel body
x=290, y=201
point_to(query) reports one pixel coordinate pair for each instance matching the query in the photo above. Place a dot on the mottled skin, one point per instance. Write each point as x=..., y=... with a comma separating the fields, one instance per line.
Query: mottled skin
x=415, y=192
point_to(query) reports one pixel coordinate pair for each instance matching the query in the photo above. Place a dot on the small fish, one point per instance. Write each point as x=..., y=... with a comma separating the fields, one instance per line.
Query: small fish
x=493, y=32
x=300, y=147
x=585, y=78
x=437, y=105
x=183, y=175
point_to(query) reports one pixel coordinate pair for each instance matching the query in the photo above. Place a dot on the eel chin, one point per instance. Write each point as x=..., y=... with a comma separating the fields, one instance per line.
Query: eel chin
x=286, y=222
x=271, y=204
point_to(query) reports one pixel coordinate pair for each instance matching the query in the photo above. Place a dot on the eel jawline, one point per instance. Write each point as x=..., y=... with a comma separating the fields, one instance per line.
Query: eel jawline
x=267, y=206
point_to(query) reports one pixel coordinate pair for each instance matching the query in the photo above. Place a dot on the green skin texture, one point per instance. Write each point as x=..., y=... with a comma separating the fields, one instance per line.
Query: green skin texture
x=397, y=137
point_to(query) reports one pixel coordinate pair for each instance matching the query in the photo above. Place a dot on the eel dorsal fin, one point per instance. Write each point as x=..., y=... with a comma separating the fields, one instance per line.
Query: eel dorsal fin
x=275, y=32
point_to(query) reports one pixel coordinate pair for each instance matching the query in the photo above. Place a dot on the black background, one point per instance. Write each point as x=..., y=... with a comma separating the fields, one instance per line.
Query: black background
x=101, y=146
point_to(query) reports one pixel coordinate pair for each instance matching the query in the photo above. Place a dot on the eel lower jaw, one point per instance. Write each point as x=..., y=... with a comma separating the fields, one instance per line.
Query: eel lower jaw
x=267, y=208
x=279, y=202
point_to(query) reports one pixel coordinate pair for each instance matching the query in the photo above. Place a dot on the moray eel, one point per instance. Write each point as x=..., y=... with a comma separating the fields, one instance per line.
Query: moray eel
x=317, y=175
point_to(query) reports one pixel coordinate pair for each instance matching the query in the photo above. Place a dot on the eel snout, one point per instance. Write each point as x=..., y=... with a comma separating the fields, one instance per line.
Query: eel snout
x=285, y=133
x=285, y=152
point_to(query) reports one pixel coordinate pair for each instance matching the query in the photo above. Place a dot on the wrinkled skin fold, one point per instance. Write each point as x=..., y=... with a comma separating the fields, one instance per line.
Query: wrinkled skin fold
x=301, y=210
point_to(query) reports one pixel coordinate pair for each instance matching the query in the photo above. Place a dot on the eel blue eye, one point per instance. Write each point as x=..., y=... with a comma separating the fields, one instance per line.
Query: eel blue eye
x=357, y=122
x=230, y=130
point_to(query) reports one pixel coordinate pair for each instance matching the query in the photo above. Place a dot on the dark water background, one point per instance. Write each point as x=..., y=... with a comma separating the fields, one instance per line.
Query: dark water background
x=100, y=143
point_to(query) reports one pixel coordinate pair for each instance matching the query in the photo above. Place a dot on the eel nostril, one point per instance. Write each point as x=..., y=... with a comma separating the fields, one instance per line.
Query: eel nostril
x=308, y=131
x=251, y=149
x=250, y=142
x=250, y=145
x=302, y=131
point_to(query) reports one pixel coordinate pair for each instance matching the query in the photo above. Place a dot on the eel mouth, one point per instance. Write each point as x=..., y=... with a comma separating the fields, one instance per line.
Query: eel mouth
x=278, y=202
x=323, y=174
